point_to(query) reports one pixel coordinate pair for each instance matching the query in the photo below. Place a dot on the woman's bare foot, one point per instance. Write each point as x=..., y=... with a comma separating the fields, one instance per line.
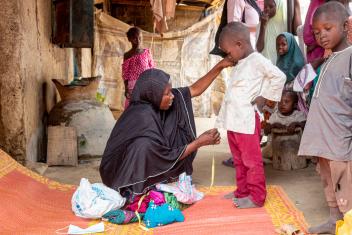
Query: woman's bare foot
x=244, y=203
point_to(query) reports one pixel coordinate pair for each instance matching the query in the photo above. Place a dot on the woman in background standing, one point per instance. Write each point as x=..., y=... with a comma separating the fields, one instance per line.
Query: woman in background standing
x=278, y=17
x=135, y=62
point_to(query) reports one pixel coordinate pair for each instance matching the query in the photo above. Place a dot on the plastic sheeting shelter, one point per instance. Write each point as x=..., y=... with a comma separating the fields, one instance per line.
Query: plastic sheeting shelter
x=182, y=54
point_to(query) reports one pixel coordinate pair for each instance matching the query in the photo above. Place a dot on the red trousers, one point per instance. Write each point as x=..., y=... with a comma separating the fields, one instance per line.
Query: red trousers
x=247, y=158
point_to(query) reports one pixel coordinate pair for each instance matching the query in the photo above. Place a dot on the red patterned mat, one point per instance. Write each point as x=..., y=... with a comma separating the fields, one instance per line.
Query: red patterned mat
x=32, y=204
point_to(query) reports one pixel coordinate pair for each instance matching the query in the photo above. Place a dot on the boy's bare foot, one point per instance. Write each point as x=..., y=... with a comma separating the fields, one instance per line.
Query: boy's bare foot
x=244, y=203
x=229, y=196
x=328, y=227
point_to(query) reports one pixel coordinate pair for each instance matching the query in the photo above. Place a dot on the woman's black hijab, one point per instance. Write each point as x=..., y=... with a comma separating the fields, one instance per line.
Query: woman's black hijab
x=146, y=143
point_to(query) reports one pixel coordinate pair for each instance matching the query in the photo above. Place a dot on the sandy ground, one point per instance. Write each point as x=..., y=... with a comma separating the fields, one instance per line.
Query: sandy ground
x=303, y=186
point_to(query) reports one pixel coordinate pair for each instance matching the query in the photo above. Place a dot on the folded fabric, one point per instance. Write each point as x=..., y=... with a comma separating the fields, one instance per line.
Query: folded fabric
x=121, y=217
x=157, y=197
x=172, y=201
x=306, y=75
x=183, y=190
x=161, y=215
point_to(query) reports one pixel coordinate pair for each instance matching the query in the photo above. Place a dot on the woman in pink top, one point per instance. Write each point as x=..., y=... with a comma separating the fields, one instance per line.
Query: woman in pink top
x=314, y=51
x=135, y=61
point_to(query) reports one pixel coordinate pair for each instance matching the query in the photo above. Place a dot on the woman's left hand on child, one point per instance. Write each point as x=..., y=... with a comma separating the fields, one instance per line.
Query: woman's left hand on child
x=227, y=62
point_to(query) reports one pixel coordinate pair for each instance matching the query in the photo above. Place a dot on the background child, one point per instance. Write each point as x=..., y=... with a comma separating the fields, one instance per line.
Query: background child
x=253, y=78
x=273, y=22
x=135, y=61
x=290, y=58
x=328, y=131
x=287, y=116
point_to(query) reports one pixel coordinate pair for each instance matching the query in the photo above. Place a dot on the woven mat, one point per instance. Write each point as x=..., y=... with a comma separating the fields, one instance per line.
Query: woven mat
x=32, y=204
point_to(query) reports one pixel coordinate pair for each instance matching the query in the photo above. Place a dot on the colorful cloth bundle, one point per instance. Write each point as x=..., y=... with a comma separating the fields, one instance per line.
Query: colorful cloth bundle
x=155, y=196
x=121, y=217
x=161, y=215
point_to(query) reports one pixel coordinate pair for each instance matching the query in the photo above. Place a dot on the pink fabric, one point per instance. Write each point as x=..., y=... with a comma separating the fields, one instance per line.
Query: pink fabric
x=155, y=196
x=349, y=32
x=247, y=157
x=133, y=67
x=308, y=35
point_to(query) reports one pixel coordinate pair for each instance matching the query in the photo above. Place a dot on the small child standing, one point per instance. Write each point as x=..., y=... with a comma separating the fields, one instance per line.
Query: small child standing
x=328, y=131
x=290, y=58
x=287, y=116
x=254, y=79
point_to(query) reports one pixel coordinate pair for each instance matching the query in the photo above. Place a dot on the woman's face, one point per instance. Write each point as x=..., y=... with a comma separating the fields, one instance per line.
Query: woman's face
x=281, y=45
x=136, y=40
x=167, y=99
x=270, y=8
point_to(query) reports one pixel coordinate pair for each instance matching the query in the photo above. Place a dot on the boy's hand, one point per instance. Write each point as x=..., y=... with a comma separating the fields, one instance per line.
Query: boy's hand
x=260, y=101
x=267, y=128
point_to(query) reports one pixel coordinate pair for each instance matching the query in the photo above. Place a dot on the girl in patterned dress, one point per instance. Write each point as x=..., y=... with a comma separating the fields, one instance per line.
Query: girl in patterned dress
x=135, y=61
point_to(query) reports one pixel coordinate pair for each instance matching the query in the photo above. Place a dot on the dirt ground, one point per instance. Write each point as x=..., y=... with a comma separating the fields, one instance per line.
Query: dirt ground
x=302, y=186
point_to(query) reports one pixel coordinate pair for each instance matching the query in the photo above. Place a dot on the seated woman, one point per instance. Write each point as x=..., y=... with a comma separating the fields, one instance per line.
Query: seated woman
x=155, y=138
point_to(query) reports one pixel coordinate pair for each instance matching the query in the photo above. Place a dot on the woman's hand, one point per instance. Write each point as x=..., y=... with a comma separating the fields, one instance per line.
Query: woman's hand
x=209, y=137
x=226, y=62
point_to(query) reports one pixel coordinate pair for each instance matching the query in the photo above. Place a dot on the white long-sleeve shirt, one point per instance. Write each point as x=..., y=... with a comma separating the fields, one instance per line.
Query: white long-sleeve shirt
x=253, y=76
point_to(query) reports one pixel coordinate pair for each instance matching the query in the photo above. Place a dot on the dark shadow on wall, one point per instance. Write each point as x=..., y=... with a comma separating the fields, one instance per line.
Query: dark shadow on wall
x=43, y=143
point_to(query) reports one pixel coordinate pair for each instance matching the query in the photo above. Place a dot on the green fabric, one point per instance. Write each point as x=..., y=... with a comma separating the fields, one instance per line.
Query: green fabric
x=293, y=61
x=121, y=217
x=172, y=201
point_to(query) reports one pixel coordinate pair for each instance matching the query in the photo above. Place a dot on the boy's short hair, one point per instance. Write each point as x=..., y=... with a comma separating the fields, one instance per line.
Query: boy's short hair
x=235, y=31
x=132, y=32
x=334, y=9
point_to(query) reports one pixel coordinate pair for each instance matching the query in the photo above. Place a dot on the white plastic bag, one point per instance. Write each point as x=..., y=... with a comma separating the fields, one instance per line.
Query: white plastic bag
x=183, y=190
x=94, y=200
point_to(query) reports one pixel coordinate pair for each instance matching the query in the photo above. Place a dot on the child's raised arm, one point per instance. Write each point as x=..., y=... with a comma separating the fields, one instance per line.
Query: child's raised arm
x=204, y=82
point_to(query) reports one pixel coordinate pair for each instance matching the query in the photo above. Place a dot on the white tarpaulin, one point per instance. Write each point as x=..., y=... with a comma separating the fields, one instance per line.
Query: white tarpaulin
x=182, y=54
